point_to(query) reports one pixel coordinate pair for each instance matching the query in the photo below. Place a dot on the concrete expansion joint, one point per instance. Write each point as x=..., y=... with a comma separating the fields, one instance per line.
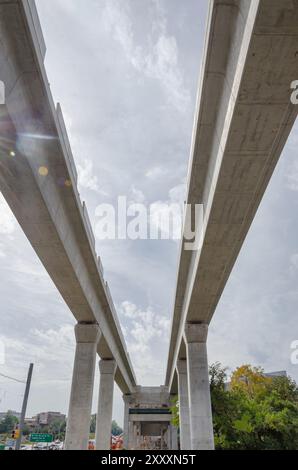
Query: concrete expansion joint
x=87, y=333
x=196, y=332
x=107, y=366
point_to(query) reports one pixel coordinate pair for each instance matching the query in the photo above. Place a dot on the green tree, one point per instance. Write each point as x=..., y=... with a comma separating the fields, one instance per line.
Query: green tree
x=26, y=430
x=93, y=424
x=116, y=429
x=253, y=411
x=58, y=428
x=265, y=412
x=174, y=408
x=8, y=423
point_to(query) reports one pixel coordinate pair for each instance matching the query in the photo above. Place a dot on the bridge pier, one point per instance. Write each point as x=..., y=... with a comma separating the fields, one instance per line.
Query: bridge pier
x=107, y=370
x=185, y=442
x=174, y=438
x=127, y=400
x=147, y=420
x=79, y=414
x=201, y=425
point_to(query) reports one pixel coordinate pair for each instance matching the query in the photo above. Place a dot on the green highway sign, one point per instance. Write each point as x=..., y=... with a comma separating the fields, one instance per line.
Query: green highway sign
x=2, y=446
x=41, y=437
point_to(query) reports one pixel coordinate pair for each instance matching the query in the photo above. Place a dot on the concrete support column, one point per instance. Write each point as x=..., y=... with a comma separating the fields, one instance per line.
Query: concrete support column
x=126, y=399
x=133, y=436
x=166, y=436
x=201, y=425
x=185, y=442
x=79, y=413
x=136, y=433
x=174, y=438
x=130, y=435
x=105, y=404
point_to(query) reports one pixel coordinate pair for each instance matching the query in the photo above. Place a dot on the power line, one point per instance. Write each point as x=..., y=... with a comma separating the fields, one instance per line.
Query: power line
x=12, y=378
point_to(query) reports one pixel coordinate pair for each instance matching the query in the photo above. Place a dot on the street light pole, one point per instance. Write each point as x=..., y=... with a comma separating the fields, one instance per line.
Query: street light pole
x=24, y=407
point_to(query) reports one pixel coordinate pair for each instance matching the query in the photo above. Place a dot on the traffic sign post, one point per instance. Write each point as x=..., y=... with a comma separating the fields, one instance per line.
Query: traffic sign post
x=36, y=437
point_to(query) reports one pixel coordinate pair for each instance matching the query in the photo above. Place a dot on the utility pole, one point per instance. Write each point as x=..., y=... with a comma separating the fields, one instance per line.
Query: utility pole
x=24, y=407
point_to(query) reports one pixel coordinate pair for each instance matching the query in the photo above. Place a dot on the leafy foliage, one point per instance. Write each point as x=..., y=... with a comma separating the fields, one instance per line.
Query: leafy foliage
x=93, y=424
x=174, y=408
x=116, y=430
x=253, y=411
x=8, y=423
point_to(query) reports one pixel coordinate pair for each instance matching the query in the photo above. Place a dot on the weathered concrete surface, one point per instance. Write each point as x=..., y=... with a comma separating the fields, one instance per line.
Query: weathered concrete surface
x=201, y=426
x=185, y=443
x=173, y=445
x=147, y=410
x=127, y=399
x=107, y=370
x=151, y=396
x=39, y=181
x=243, y=119
x=79, y=413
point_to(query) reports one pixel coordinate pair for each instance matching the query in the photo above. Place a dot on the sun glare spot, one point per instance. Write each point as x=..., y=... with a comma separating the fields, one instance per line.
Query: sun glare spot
x=43, y=171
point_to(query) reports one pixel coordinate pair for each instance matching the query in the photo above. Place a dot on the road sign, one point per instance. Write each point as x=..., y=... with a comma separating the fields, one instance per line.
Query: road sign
x=2, y=446
x=41, y=437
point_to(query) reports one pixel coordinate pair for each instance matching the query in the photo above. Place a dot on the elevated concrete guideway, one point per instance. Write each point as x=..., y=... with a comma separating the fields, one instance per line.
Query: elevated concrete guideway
x=243, y=119
x=38, y=180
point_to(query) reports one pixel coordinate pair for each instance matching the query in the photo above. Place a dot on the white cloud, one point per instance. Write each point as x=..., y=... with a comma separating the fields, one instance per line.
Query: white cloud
x=7, y=219
x=116, y=20
x=128, y=309
x=165, y=220
x=166, y=217
x=159, y=60
x=30, y=268
x=178, y=193
x=162, y=64
x=147, y=322
x=145, y=327
x=156, y=172
x=137, y=196
x=2, y=252
x=292, y=176
x=294, y=261
x=51, y=350
x=87, y=178
x=59, y=338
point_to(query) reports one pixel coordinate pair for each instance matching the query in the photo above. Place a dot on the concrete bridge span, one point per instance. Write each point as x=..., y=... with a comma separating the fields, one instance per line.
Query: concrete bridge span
x=243, y=118
x=38, y=179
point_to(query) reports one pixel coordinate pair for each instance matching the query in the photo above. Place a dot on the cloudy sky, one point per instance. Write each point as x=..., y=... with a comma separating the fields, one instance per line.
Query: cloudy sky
x=125, y=73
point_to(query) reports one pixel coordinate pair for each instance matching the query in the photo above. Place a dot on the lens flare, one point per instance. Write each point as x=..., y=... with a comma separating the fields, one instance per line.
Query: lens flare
x=43, y=171
x=37, y=136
